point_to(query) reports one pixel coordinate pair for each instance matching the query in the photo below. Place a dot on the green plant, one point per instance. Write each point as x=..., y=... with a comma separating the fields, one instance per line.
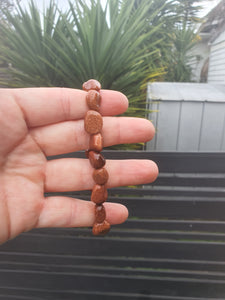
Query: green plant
x=182, y=38
x=89, y=41
x=179, y=69
x=24, y=45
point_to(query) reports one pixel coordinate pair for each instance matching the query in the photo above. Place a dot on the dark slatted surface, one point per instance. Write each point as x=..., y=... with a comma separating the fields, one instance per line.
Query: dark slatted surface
x=172, y=246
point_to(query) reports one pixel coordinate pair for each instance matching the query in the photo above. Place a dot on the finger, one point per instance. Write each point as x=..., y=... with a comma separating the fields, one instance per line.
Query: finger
x=69, y=212
x=71, y=174
x=43, y=106
x=70, y=136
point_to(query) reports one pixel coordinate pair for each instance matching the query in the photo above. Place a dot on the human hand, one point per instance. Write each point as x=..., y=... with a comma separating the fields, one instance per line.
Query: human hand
x=40, y=122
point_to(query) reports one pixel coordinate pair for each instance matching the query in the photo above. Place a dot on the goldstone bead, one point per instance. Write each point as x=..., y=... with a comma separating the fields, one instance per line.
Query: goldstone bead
x=96, y=159
x=100, y=176
x=93, y=100
x=96, y=142
x=101, y=228
x=99, y=194
x=93, y=122
x=91, y=84
x=100, y=213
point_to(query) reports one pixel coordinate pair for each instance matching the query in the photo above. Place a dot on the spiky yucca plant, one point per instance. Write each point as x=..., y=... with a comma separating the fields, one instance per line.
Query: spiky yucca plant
x=24, y=45
x=89, y=41
x=179, y=69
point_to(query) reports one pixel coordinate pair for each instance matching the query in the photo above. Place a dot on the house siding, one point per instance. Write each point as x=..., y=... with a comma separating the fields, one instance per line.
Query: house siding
x=217, y=61
x=199, y=54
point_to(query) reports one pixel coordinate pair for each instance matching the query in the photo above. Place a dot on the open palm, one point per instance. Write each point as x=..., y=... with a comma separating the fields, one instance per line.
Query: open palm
x=40, y=122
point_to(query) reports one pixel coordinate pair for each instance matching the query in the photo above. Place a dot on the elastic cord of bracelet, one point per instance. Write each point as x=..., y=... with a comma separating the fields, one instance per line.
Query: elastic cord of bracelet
x=93, y=124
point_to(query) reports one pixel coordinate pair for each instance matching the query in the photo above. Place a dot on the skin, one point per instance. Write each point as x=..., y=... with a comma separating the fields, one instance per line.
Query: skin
x=40, y=122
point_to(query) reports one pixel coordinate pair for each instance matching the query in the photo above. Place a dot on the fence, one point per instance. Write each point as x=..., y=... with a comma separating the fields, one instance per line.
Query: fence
x=172, y=246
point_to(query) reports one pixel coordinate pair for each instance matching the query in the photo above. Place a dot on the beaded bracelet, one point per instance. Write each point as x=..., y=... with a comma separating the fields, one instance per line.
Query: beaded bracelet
x=93, y=124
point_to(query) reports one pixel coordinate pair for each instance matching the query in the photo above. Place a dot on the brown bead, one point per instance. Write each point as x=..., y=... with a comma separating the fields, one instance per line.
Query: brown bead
x=100, y=213
x=99, y=194
x=93, y=99
x=101, y=228
x=91, y=84
x=87, y=153
x=96, y=142
x=96, y=159
x=100, y=176
x=93, y=122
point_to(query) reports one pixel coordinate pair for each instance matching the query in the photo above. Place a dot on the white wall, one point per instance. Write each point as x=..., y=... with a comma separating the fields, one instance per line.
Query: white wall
x=193, y=121
x=199, y=54
x=216, y=72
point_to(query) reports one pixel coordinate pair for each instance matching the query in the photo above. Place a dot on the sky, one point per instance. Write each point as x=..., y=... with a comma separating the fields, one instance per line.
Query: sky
x=207, y=4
